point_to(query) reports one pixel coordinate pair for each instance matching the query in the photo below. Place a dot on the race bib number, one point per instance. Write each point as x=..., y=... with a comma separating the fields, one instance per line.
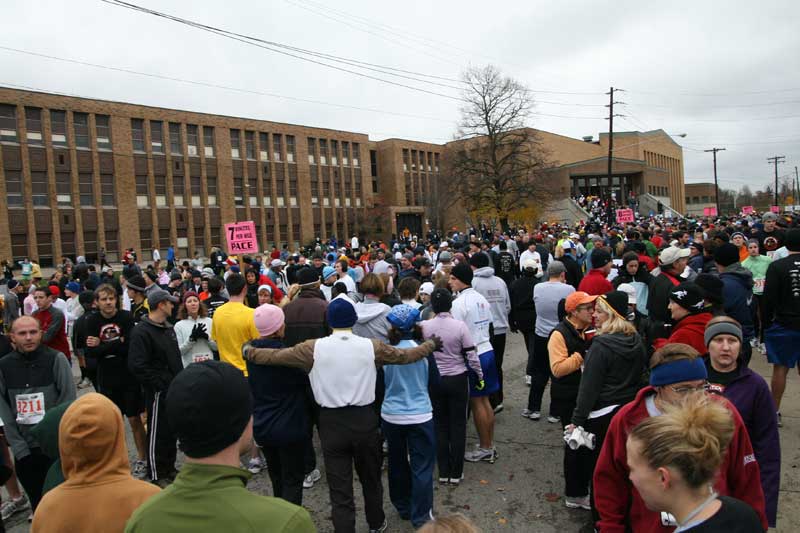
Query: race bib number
x=759, y=285
x=30, y=408
x=200, y=357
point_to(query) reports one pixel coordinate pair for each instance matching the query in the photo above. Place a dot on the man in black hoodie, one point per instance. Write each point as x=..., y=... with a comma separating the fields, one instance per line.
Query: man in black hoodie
x=522, y=317
x=737, y=293
x=155, y=359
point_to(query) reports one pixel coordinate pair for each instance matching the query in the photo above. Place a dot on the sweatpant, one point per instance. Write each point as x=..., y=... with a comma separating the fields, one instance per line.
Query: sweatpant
x=31, y=472
x=161, y=442
x=578, y=464
x=540, y=374
x=412, y=454
x=450, y=399
x=285, y=465
x=498, y=343
x=350, y=438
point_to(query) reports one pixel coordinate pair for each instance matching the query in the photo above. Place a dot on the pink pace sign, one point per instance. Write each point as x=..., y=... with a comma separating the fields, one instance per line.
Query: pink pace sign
x=747, y=209
x=709, y=211
x=241, y=238
x=625, y=215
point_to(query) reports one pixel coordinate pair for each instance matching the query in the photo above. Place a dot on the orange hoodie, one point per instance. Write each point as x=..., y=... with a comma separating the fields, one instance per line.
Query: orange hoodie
x=99, y=494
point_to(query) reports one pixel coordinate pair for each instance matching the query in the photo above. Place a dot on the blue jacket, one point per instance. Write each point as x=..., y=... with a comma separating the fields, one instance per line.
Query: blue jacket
x=752, y=398
x=406, y=387
x=737, y=296
x=280, y=402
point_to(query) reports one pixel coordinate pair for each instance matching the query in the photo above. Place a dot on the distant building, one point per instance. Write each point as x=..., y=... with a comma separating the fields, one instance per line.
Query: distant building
x=699, y=196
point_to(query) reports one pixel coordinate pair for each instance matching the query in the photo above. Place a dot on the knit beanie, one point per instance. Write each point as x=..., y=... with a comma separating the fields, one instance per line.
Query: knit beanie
x=792, y=240
x=268, y=319
x=600, y=258
x=341, y=313
x=463, y=273
x=328, y=272
x=73, y=286
x=720, y=328
x=479, y=260
x=441, y=301
x=726, y=254
x=618, y=301
x=712, y=287
x=689, y=296
x=136, y=283
x=208, y=407
x=307, y=276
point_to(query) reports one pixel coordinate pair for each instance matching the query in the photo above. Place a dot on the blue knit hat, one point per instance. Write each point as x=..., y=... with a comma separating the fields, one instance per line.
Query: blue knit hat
x=73, y=286
x=328, y=272
x=341, y=313
x=403, y=317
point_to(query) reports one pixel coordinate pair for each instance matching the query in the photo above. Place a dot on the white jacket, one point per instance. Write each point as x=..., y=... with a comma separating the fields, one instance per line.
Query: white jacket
x=472, y=308
x=194, y=351
x=495, y=291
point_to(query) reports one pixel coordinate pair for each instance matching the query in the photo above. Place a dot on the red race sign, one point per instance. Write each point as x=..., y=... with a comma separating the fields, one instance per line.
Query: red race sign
x=625, y=215
x=747, y=209
x=241, y=238
x=709, y=211
x=775, y=208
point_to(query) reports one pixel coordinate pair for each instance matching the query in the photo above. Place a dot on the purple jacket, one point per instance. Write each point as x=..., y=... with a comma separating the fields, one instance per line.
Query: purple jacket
x=456, y=340
x=752, y=398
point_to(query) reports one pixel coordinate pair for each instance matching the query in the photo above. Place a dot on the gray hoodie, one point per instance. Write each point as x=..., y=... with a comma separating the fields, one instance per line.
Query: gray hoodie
x=495, y=291
x=372, y=322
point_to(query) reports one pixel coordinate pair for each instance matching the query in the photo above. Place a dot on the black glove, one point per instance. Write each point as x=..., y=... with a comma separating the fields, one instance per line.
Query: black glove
x=202, y=333
x=193, y=334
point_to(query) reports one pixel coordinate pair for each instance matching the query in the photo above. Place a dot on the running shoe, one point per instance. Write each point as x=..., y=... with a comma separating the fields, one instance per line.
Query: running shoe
x=11, y=507
x=533, y=415
x=443, y=480
x=456, y=481
x=498, y=408
x=481, y=454
x=380, y=529
x=255, y=465
x=528, y=381
x=553, y=419
x=578, y=503
x=780, y=425
x=311, y=478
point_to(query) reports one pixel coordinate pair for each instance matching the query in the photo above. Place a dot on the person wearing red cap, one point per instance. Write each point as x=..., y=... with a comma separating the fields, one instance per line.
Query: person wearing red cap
x=52, y=320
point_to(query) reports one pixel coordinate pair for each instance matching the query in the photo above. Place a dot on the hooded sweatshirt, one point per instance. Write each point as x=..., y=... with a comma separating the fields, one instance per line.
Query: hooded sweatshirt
x=619, y=504
x=99, y=494
x=612, y=373
x=372, y=322
x=495, y=291
x=737, y=295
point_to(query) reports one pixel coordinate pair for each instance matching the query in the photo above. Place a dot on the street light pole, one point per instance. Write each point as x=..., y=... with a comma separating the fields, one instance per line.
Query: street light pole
x=716, y=183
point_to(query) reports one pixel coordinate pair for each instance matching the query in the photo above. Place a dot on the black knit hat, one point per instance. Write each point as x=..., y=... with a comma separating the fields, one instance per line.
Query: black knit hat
x=479, y=260
x=712, y=287
x=307, y=276
x=208, y=407
x=441, y=301
x=792, y=240
x=726, y=254
x=136, y=283
x=618, y=301
x=463, y=273
x=600, y=258
x=689, y=296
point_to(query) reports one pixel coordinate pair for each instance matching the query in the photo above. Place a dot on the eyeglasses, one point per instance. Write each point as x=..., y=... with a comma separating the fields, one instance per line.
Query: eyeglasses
x=689, y=389
x=585, y=308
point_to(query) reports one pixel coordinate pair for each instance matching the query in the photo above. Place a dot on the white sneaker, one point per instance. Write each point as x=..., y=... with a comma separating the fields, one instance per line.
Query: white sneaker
x=578, y=503
x=533, y=415
x=481, y=454
x=11, y=507
x=553, y=419
x=255, y=465
x=311, y=478
x=528, y=380
x=498, y=408
x=457, y=480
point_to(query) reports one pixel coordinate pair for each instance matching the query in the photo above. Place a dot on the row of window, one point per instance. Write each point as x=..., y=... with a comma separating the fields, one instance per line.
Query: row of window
x=157, y=143
x=657, y=190
x=59, y=132
x=250, y=147
x=178, y=191
x=327, y=151
x=40, y=189
x=699, y=199
x=417, y=160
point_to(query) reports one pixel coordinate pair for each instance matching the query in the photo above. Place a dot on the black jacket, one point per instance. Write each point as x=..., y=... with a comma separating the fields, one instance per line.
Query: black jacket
x=523, y=312
x=505, y=267
x=658, y=300
x=153, y=355
x=566, y=387
x=112, y=353
x=573, y=275
x=612, y=373
x=305, y=317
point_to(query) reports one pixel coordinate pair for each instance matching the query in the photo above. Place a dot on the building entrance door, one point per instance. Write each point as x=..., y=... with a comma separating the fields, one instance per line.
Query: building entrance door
x=411, y=221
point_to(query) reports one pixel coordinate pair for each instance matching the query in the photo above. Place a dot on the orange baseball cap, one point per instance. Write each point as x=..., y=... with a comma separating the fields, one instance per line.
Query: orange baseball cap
x=577, y=298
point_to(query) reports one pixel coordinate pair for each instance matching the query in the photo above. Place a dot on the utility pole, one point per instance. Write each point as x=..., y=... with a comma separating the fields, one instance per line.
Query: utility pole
x=795, y=187
x=610, y=119
x=776, y=159
x=716, y=184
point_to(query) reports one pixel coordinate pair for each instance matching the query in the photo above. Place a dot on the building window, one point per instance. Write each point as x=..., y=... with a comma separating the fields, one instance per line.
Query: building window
x=58, y=128
x=137, y=134
x=334, y=152
x=161, y=191
x=142, y=192
x=436, y=162
x=8, y=123
x=33, y=125
x=211, y=187
x=238, y=192
x=252, y=191
x=177, y=190
x=277, y=148
x=80, y=123
x=14, y=188
x=263, y=146
x=103, y=130
x=157, y=136
x=208, y=141
x=107, y=190
x=373, y=163
x=323, y=152
x=290, y=148
x=191, y=140
x=250, y=145
x=311, y=147
x=235, y=144
x=86, y=189
x=345, y=153
x=63, y=188
x=356, y=154
x=197, y=190
x=175, y=142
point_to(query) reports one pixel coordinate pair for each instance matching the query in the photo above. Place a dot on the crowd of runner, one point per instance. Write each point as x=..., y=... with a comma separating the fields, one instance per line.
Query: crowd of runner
x=644, y=332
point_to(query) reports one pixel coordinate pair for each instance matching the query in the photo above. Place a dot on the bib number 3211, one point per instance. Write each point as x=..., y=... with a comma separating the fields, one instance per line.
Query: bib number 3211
x=30, y=408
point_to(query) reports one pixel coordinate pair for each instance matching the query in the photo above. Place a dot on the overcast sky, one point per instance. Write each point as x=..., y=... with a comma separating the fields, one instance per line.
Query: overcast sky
x=725, y=73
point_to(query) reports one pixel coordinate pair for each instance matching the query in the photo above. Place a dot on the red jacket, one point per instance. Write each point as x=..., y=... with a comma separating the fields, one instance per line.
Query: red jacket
x=648, y=262
x=688, y=330
x=595, y=283
x=618, y=503
x=54, y=334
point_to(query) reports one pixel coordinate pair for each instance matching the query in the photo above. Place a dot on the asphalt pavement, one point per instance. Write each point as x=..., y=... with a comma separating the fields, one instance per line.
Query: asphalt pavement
x=523, y=489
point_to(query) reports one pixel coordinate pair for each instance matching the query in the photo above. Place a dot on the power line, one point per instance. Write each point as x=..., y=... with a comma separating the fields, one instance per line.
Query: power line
x=715, y=95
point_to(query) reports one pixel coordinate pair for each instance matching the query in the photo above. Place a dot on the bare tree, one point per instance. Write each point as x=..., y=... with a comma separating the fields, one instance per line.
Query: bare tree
x=498, y=166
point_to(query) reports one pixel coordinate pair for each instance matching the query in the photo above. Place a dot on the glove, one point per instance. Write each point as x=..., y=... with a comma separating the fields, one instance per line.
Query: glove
x=193, y=334
x=437, y=341
x=202, y=333
x=481, y=385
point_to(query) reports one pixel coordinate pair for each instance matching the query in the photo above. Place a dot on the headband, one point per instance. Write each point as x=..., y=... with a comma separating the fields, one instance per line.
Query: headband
x=677, y=371
x=721, y=328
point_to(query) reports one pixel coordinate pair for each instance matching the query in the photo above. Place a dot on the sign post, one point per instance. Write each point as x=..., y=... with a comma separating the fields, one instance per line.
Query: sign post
x=241, y=237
